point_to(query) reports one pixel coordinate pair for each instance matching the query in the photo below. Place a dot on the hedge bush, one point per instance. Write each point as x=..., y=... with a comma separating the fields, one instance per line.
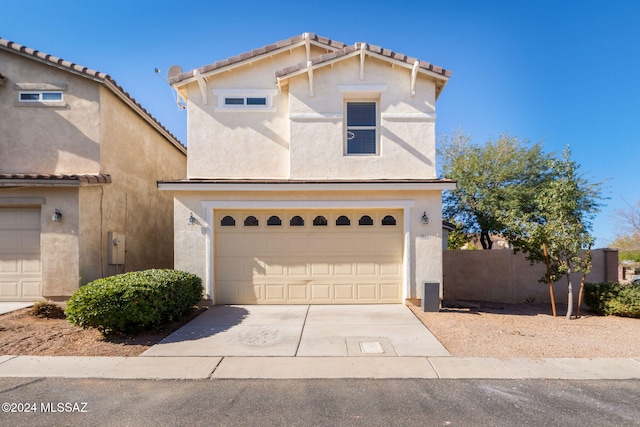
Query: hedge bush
x=134, y=302
x=614, y=299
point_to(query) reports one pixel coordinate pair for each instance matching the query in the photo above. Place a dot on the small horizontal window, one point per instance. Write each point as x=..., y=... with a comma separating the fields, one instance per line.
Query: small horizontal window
x=40, y=96
x=245, y=101
x=256, y=100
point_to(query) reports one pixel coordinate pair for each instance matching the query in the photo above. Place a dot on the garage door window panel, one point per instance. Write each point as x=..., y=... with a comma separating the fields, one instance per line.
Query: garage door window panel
x=320, y=221
x=228, y=221
x=274, y=220
x=296, y=221
x=365, y=220
x=343, y=220
x=388, y=220
x=251, y=221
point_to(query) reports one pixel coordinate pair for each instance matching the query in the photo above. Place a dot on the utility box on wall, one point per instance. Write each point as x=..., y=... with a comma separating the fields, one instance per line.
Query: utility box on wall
x=116, y=244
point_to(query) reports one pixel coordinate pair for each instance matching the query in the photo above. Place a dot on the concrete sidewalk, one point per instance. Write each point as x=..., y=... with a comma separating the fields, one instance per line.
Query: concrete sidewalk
x=315, y=367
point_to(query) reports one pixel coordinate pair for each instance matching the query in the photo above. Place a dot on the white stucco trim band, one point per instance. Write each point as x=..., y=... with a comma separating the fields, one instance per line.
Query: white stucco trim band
x=286, y=185
x=315, y=117
x=409, y=117
x=211, y=205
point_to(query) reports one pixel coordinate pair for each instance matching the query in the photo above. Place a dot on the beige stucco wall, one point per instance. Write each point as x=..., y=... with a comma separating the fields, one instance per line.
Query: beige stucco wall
x=304, y=136
x=500, y=276
x=136, y=156
x=92, y=132
x=64, y=138
x=425, y=244
x=406, y=140
x=241, y=144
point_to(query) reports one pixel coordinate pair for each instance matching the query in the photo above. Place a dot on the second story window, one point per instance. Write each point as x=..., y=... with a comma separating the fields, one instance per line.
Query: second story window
x=361, y=129
x=245, y=101
x=256, y=100
x=40, y=96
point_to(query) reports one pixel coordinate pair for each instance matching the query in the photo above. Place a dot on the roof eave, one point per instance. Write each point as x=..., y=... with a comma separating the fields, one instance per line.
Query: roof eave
x=293, y=185
x=184, y=79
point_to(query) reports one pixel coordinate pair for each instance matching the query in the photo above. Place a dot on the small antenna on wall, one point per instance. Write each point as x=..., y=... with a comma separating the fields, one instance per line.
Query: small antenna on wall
x=172, y=69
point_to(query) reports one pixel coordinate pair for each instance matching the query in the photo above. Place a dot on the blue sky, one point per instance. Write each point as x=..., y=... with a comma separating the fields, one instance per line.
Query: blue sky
x=564, y=72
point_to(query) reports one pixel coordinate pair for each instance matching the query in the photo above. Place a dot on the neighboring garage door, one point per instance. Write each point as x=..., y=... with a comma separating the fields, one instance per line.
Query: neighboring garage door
x=308, y=257
x=20, y=273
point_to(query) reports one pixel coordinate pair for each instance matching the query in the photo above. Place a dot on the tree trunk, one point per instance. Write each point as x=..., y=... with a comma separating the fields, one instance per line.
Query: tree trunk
x=551, y=295
x=569, y=295
x=580, y=294
x=587, y=267
x=485, y=240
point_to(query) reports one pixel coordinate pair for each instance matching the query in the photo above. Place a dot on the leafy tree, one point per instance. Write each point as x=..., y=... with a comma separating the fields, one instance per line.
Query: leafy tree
x=501, y=175
x=457, y=238
x=556, y=227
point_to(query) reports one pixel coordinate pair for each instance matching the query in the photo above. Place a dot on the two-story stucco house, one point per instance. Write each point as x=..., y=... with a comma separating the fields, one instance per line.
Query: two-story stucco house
x=79, y=165
x=311, y=175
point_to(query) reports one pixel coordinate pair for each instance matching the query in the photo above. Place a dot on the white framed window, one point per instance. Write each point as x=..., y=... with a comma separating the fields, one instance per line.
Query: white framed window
x=40, y=96
x=257, y=100
x=361, y=129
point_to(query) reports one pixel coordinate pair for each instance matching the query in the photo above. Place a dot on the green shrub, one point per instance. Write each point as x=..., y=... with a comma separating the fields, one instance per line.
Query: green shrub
x=134, y=302
x=614, y=299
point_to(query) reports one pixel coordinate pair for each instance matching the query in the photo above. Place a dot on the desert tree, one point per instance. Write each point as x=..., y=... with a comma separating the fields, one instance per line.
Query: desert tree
x=556, y=227
x=493, y=178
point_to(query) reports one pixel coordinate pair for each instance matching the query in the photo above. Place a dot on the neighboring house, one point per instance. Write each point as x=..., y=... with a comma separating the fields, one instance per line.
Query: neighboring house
x=79, y=165
x=311, y=175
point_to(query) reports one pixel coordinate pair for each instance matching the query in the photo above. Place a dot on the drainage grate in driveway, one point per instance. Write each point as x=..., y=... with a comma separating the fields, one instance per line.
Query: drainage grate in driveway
x=370, y=347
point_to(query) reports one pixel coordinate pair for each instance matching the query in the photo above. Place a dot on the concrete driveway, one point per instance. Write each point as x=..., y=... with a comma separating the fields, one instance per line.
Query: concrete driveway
x=8, y=307
x=381, y=330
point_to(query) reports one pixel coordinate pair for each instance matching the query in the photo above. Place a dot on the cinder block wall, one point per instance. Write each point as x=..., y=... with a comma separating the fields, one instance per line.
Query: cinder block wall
x=501, y=276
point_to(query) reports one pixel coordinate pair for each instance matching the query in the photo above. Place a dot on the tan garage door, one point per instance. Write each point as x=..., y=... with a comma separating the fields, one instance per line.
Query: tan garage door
x=20, y=273
x=308, y=257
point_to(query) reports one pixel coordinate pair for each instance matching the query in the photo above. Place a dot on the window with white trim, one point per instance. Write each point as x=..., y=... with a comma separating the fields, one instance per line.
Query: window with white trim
x=361, y=128
x=245, y=99
x=40, y=96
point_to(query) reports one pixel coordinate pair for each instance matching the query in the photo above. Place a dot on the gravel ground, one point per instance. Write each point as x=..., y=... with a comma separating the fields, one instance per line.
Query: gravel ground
x=486, y=330
x=529, y=330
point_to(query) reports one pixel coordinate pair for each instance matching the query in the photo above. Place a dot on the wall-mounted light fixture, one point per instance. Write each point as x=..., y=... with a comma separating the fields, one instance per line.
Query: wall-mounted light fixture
x=425, y=218
x=57, y=216
x=191, y=220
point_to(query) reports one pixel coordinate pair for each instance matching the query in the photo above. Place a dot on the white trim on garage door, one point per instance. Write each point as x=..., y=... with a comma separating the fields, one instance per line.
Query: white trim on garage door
x=377, y=206
x=20, y=266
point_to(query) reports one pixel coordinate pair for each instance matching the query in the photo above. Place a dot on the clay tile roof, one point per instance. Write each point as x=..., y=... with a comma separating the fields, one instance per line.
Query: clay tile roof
x=332, y=44
x=89, y=73
x=54, y=179
x=371, y=48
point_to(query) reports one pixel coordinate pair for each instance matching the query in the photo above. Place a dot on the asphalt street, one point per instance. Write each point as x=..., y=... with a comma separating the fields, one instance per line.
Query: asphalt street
x=93, y=402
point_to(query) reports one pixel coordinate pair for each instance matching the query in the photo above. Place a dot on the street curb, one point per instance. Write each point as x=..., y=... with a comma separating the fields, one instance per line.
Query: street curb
x=317, y=368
